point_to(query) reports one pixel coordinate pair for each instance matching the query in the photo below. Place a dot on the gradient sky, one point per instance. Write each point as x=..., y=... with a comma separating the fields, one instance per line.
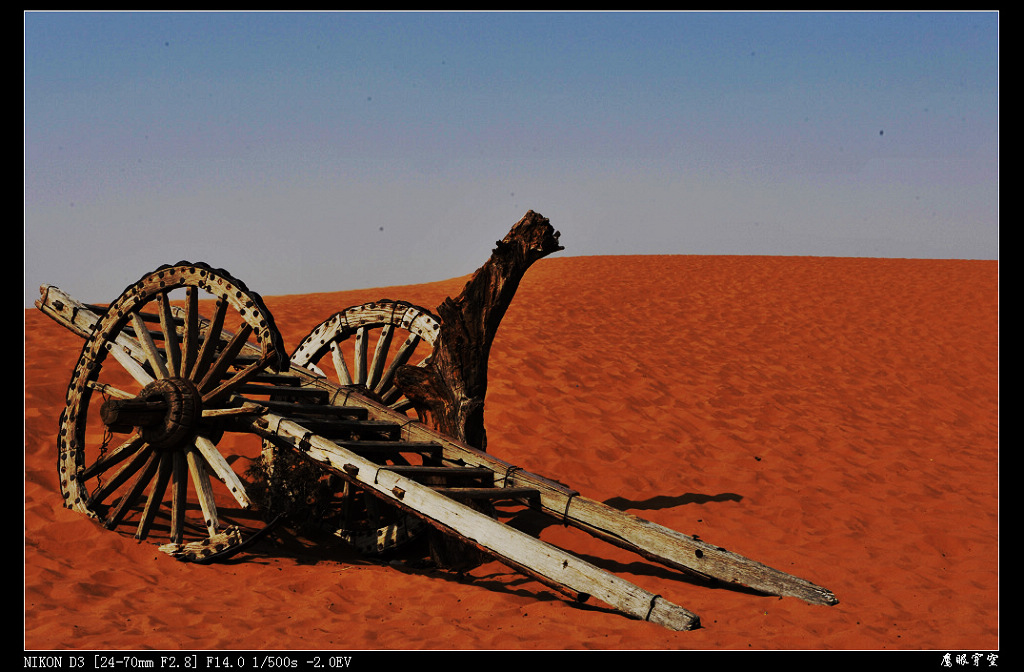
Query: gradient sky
x=309, y=152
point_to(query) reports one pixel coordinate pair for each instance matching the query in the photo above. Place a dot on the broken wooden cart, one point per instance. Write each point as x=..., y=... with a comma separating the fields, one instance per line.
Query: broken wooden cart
x=173, y=397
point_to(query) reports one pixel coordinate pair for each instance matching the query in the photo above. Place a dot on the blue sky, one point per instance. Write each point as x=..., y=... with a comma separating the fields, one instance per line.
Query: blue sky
x=308, y=152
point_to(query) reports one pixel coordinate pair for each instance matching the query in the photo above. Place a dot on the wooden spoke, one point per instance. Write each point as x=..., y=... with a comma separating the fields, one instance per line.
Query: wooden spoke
x=139, y=459
x=225, y=359
x=179, y=498
x=386, y=386
x=362, y=343
x=339, y=364
x=113, y=457
x=214, y=395
x=380, y=355
x=201, y=481
x=211, y=339
x=223, y=470
x=402, y=405
x=130, y=364
x=172, y=349
x=156, y=495
x=190, y=338
x=110, y=390
x=135, y=488
x=153, y=356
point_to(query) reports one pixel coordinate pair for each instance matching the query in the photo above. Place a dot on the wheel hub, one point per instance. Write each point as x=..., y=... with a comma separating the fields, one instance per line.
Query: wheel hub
x=167, y=411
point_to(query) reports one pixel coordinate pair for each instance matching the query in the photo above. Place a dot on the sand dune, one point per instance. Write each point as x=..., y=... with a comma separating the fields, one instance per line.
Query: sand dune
x=833, y=418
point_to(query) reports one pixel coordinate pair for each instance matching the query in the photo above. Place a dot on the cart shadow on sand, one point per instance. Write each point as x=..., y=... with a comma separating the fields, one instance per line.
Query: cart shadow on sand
x=312, y=548
x=319, y=547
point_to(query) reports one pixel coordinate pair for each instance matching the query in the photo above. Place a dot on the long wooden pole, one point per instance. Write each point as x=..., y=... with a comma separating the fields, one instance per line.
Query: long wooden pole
x=547, y=562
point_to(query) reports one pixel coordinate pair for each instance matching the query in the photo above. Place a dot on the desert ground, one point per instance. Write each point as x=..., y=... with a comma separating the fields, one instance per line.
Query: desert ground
x=834, y=418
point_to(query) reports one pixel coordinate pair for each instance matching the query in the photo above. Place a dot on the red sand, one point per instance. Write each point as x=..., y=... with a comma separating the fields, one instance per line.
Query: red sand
x=833, y=418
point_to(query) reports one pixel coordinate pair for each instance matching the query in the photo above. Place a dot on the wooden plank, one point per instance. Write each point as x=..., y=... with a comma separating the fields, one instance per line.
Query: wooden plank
x=416, y=470
x=343, y=427
x=493, y=494
x=314, y=410
x=283, y=391
x=267, y=378
x=385, y=449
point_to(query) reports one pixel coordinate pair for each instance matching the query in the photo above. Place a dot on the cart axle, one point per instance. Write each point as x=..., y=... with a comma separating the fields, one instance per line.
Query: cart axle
x=167, y=411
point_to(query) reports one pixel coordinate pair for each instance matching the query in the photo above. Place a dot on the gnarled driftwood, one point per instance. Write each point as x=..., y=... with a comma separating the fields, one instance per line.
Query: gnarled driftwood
x=449, y=391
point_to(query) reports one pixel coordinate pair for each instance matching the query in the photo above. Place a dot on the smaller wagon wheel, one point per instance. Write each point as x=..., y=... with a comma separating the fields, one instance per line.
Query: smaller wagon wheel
x=375, y=324
x=148, y=405
x=340, y=349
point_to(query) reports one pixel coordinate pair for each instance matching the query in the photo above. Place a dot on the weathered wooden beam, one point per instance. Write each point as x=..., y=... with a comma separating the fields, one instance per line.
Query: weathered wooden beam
x=504, y=543
x=70, y=313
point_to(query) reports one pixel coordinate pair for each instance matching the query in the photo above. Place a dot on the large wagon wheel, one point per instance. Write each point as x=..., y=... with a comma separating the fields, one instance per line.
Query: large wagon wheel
x=151, y=417
x=340, y=349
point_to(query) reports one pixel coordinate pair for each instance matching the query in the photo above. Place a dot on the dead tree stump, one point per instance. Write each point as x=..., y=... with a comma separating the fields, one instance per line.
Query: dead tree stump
x=448, y=393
